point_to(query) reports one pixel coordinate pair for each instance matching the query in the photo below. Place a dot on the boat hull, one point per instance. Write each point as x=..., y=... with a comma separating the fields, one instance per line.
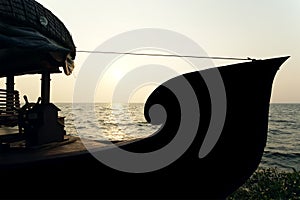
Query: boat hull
x=232, y=160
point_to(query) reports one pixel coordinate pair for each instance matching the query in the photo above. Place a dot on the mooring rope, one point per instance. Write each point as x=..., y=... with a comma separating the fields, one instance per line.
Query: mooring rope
x=166, y=55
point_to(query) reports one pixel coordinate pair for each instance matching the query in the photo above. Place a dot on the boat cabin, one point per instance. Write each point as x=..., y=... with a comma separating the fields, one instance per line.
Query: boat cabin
x=34, y=123
x=32, y=41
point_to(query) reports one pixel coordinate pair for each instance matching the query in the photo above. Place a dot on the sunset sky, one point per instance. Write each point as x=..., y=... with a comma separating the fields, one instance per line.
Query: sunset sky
x=232, y=28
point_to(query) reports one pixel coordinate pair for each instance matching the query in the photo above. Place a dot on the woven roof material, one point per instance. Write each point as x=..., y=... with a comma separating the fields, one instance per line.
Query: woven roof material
x=32, y=14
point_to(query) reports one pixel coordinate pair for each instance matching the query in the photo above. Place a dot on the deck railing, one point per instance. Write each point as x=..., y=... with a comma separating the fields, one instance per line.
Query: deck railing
x=9, y=103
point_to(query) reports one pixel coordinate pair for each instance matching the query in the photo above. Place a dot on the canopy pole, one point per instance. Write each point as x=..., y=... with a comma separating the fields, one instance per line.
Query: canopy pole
x=45, y=87
x=10, y=88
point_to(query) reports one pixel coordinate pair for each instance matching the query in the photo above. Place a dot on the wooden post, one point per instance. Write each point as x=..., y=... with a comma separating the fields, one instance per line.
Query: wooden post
x=46, y=87
x=10, y=88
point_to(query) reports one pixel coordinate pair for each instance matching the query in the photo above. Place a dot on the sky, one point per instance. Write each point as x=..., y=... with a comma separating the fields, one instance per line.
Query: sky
x=228, y=28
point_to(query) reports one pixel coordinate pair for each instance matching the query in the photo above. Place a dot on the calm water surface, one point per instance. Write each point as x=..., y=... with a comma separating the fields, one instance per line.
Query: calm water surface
x=126, y=121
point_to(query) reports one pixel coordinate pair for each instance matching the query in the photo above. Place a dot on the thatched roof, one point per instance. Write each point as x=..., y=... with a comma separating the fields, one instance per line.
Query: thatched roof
x=33, y=14
x=30, y=17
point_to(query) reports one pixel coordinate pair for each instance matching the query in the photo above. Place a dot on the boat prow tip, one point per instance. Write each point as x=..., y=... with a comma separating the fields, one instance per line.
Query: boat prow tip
x=276, y=61
x=285, y=58
x=281, y=60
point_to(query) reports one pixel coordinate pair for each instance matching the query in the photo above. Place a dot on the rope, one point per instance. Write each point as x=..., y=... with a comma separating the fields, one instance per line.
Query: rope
x=166, y=55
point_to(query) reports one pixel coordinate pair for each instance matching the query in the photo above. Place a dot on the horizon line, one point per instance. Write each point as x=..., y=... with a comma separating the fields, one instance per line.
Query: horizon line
x=144, y=102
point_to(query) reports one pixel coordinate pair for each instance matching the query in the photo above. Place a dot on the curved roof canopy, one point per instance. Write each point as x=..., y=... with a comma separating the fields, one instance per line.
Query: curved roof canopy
x=33, y=39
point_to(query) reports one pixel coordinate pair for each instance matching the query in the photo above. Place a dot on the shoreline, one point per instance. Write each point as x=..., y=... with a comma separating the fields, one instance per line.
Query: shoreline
x=269, y=183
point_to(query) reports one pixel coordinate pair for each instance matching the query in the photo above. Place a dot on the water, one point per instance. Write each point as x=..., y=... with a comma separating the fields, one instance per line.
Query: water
x=123, y=122
x=283, y=146
x=118, y=122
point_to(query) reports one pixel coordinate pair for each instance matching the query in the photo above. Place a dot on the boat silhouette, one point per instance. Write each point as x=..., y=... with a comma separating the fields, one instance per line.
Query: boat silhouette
x=232, y=160
x=221, y=144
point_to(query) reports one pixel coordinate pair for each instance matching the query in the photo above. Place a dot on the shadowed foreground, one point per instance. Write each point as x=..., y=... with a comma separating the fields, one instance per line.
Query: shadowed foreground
x=270, y=184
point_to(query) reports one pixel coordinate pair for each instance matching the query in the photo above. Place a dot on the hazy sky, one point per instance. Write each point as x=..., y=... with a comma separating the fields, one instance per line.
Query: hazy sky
x=233, y=28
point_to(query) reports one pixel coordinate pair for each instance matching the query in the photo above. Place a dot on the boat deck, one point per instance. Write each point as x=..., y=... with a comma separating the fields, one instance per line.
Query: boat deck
x=71, y=146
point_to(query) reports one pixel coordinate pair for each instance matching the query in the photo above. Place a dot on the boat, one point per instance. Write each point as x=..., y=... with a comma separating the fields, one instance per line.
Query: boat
x=33, y=41
x=221, y=143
